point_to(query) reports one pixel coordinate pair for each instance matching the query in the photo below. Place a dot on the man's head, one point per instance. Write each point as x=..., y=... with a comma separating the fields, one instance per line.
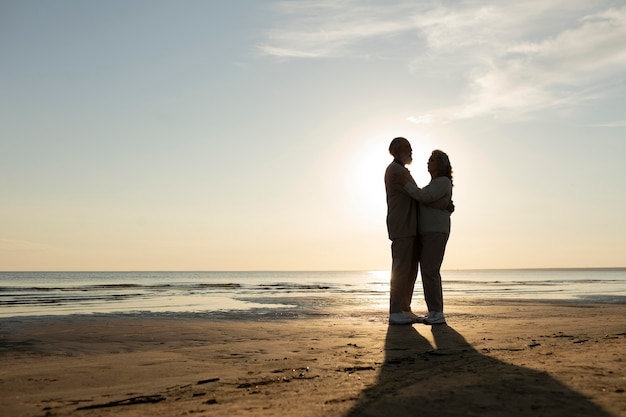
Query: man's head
x=400, y=148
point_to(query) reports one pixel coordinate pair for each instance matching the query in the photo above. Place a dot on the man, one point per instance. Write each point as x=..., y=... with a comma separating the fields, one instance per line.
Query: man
x=402, y=229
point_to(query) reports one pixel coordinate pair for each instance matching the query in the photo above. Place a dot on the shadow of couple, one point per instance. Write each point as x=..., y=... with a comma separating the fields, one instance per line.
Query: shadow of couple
x=453, y=379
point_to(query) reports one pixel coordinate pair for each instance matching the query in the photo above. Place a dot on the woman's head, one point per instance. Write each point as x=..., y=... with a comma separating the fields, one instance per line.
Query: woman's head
x=439, y=165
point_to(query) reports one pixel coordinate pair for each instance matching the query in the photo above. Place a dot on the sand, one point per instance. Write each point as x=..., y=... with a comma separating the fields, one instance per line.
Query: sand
x=494, y=358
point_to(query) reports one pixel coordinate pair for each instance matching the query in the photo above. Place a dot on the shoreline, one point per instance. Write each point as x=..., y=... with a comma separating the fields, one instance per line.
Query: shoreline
x=495, y=357
x=295, y=293
x=325, y=306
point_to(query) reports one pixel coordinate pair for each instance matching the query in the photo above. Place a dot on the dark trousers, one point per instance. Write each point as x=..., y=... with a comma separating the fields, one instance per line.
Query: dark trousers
x=433, y=247
x=405, y=258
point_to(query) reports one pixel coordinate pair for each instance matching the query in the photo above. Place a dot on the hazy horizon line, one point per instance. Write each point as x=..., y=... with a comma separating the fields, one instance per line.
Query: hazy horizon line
x=588, y=268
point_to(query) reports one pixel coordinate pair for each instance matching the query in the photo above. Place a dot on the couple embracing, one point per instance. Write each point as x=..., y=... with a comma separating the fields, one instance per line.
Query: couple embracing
x=418, y=222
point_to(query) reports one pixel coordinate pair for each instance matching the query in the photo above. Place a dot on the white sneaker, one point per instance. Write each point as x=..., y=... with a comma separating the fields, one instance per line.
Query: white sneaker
x=414, y=317
x=435, y=317
x=399, y=318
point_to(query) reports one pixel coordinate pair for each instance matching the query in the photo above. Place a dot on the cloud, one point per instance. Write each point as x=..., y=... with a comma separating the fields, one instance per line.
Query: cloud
x=517, y=77
x=332, y=29
x=619, y=123
x=516, y=59
x=423, y=119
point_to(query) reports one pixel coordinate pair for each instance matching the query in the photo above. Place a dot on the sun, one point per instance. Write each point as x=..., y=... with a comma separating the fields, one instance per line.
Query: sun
x=365, y=180
x=370, y=187
x=365, y=171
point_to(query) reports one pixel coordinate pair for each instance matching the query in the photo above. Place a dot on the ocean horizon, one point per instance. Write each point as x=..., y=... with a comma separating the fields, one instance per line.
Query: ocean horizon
x=282, y=293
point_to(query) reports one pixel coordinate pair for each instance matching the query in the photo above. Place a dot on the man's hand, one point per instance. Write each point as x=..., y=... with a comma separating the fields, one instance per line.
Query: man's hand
x=450, y=207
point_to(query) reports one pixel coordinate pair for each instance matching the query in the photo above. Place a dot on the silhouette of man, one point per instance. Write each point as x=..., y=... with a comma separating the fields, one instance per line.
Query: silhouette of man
x=402, y=229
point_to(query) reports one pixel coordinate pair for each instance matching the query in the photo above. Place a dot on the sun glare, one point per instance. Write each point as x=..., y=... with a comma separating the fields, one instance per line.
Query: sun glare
x=365, y=180
x=366, y=172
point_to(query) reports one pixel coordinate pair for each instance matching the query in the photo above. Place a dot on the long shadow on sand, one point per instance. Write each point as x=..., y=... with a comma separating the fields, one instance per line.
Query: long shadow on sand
x=456, y=380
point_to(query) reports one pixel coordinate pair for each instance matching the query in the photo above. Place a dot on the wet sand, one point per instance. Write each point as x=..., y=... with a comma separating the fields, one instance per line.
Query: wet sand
x=494, y=358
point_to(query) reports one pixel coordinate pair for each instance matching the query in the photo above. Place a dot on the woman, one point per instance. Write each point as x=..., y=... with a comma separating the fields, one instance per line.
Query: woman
x=435, y=202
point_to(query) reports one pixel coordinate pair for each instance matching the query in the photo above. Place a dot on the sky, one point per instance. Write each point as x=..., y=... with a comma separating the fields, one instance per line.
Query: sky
x=253, y=135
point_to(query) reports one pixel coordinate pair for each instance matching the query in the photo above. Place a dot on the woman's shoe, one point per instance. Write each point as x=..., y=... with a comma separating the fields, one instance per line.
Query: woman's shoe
x=435, y=317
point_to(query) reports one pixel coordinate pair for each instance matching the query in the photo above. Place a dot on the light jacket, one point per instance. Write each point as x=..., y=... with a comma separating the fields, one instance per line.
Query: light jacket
x=401, y=207
x=434, y=199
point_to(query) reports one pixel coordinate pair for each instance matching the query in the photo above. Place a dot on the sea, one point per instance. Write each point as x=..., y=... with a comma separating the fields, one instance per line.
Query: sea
x=271, y=294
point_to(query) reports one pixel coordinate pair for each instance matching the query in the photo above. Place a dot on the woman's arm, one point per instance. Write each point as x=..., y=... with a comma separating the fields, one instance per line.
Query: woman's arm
x=435, y=190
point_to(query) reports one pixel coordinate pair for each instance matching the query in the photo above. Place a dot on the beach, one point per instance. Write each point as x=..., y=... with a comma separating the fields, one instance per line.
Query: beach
x=493, y=358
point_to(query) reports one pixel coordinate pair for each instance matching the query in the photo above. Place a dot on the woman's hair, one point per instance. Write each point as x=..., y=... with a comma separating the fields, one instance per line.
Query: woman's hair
x=445, y=169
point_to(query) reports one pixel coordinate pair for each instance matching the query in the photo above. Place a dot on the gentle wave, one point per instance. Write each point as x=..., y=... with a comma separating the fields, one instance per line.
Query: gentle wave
x=42, y=293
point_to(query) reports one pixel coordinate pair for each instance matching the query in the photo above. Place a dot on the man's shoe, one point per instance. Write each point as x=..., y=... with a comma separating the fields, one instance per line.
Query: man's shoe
x=399, y=318
x=414, y=317
x=435, y=317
